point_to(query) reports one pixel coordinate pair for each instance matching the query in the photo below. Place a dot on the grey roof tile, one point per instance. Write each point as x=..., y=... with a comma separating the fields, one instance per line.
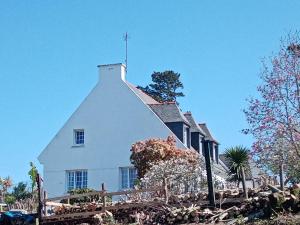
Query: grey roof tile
x=168, y=112
x=207, y=132
x=194, y=126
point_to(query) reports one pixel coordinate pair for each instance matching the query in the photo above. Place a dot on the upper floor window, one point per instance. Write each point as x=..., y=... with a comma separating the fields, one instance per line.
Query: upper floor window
x=128, y=176
x=76, y=179
x=200, y=146
x=79, y=137
x=217, y=153
x=184, y=137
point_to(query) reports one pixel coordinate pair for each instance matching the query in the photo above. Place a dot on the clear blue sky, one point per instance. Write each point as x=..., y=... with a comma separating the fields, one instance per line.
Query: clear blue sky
x=49, y=51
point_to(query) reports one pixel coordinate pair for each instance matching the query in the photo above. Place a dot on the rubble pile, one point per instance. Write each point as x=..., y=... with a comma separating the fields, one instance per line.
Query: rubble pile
x=231, y=208
x=168, y=214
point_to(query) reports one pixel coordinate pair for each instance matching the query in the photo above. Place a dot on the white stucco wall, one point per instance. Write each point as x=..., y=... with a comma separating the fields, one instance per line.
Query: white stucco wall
x=113, y=118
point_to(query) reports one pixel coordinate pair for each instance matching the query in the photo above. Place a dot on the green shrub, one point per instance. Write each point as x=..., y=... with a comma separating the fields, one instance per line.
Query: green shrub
x=9, y=199
x=91, y=198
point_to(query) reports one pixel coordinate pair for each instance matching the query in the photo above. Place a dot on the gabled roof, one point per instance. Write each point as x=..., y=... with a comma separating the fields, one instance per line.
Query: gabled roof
x=169, y=112
x=194, y=126
x=142, y=95
x=207, y=132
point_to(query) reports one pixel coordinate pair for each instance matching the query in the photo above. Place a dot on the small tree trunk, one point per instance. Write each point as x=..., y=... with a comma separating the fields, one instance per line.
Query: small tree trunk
x=238, y=183
x=281, y=176
x=244, y=183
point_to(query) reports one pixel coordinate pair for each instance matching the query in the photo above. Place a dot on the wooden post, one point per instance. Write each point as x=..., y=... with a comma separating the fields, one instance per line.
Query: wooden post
x=165, y=189
x=210, y=182
x=244, y=183
x=103, y=196
x=40, y=204
x=45, y=205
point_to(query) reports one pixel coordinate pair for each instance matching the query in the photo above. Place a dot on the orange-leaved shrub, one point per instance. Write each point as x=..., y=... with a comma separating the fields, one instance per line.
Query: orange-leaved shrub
x=146, y=153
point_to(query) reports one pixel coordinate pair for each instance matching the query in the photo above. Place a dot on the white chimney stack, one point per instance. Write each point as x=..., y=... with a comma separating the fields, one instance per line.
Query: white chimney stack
x=112, y=73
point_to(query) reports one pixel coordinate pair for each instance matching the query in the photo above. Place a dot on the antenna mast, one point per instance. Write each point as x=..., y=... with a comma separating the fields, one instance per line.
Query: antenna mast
x=126, y=41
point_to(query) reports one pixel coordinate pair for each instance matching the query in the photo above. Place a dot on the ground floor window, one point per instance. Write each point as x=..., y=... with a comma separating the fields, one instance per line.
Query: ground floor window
x=76, y=179
x=128, y=176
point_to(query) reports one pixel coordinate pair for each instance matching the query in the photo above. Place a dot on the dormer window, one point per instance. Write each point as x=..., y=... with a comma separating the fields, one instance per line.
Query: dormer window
x=184, y=138
x=79, y=137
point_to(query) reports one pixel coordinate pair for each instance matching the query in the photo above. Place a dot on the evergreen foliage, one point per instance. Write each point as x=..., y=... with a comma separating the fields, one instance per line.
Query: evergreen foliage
x=20, y=191
x=238, y=161
x=165, y=86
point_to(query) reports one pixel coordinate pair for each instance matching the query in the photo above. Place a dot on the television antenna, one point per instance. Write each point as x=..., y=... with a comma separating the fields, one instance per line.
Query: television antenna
x=125, y=38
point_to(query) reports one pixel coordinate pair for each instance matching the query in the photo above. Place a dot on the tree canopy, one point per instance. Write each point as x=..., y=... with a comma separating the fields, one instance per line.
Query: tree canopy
x=20, y=191
x=165, y=87
x=274, y=116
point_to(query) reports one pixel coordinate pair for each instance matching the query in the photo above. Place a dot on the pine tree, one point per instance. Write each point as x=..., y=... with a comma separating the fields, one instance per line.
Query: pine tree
x=164, y=87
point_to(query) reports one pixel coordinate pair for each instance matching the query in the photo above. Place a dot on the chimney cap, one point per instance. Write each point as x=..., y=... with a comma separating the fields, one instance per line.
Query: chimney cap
x=112, y=64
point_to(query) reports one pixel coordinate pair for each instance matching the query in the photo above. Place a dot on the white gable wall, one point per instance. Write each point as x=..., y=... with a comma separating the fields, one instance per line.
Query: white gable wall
x=113, y=118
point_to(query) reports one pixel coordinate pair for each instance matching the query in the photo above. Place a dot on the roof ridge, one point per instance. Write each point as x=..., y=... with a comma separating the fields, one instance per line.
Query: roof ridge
x=141, y=94
x=207, y=131
x=164, y=103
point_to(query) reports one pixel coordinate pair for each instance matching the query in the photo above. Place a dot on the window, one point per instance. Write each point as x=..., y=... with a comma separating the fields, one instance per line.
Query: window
x=200, y=147
x=184, y=138
x=76, y=179
x=128, y=176
x=187, y=130
x=217, y=153
x=79, y=137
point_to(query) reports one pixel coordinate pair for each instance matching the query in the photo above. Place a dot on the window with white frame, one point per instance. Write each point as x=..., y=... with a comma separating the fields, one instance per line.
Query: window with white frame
x=200, y=146
x=187, y=136
x=79, y=137
x=76, y=179
x=184, y=138
x=128, y=176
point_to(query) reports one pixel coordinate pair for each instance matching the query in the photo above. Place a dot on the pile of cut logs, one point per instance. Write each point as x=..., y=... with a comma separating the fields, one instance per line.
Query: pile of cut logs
x=167, y=214
x=191, y=208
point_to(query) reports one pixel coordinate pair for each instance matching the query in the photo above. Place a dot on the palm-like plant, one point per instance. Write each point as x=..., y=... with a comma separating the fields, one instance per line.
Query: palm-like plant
x=238, y=161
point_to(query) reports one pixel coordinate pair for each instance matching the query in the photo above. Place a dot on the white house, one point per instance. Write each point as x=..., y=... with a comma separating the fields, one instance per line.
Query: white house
x=94, y=144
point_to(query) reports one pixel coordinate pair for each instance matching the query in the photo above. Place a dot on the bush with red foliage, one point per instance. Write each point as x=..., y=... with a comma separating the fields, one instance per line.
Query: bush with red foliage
x=145, y=153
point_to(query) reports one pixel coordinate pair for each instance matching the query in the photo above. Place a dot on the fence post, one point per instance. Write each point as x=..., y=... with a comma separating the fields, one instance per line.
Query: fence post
x=40, y=205
x=44, y=201
x=209, y=173
x=103, y=196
